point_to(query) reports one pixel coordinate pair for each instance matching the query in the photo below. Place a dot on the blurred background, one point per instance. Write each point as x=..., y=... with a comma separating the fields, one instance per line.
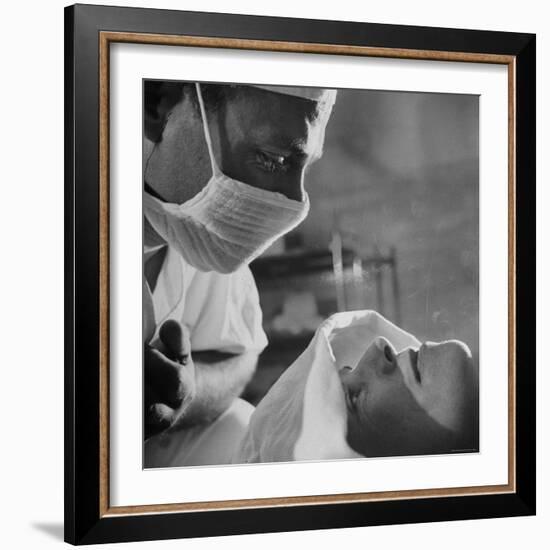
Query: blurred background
x=393, y=226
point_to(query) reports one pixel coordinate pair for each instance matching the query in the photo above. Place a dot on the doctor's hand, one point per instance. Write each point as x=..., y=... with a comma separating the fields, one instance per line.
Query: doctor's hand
x=169, y=378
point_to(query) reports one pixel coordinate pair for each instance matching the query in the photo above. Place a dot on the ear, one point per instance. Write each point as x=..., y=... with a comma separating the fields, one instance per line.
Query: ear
x=159, y=98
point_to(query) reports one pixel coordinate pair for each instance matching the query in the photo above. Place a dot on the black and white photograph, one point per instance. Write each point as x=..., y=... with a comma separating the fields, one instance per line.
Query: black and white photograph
x=299, y=275
x=310, y=273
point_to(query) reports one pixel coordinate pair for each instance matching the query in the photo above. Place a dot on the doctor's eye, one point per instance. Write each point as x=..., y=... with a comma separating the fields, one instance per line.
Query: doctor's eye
x=271, y=162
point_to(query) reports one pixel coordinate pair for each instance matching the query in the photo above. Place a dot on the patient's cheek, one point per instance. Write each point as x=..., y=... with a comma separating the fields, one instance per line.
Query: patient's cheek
x=356, y=436
x=360, y=433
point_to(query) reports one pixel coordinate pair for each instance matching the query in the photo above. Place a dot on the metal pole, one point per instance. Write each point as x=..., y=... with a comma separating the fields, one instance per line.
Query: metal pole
x=396, y=288
x=358, y=282
x=338, y=269
x=379, y=287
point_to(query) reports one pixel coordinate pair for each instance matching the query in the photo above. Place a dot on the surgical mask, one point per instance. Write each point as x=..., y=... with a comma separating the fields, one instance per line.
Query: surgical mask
x=228, y=223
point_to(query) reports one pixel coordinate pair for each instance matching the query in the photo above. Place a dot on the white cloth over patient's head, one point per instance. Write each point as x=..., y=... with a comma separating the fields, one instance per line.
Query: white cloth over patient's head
x=303, y=416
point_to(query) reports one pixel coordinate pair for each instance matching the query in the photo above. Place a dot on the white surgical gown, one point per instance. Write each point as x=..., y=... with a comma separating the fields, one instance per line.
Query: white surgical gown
x=222, y=313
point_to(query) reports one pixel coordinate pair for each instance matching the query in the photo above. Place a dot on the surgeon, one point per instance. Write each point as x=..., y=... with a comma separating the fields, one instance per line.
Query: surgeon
x=224, y=171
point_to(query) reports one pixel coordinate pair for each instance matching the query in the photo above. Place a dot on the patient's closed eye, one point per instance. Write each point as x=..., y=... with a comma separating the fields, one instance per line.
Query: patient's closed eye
x=352, y=394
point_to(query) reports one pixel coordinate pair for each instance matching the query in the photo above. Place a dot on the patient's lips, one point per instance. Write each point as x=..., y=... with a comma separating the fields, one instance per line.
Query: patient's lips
x=414, y=364
x=408, y=359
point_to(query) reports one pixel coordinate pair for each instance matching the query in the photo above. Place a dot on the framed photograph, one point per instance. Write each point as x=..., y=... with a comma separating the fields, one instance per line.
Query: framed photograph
x=300, y=274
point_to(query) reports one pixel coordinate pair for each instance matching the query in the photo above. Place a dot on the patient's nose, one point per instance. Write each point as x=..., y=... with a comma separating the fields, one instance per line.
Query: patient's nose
x=379, y=359
x=386, y=348
x=386, y=361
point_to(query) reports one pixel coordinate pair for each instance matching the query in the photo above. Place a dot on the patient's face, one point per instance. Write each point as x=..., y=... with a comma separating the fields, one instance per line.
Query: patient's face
x=417, y=402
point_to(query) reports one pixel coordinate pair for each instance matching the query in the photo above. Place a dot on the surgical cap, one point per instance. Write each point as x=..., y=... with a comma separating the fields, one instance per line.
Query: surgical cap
x=325, y=96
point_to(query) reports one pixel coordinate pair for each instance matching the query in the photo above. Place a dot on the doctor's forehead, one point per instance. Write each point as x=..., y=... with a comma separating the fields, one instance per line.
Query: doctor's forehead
x=265, y=103
x=289, y=124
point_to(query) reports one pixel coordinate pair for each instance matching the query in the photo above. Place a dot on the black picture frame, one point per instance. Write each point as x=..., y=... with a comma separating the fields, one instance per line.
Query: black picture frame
x=84, y=521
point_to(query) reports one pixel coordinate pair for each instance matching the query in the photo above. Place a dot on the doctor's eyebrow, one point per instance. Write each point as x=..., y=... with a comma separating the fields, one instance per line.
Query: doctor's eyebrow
x=280, y=145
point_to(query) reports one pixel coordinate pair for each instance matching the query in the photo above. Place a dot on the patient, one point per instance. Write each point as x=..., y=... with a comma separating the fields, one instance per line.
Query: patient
x=366, y=388
x=420, y=401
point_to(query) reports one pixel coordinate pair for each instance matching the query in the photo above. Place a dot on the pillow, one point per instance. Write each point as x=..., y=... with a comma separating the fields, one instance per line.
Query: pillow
x=303, y=416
